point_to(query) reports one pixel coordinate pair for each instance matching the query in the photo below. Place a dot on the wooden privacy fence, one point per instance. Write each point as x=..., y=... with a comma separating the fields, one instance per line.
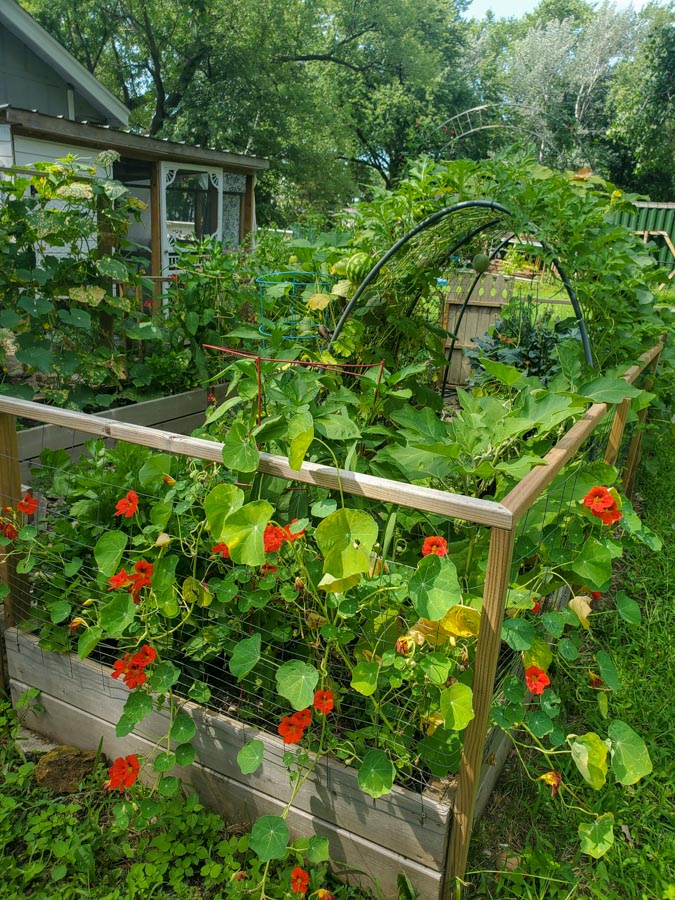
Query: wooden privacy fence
x=501, y=518
x=466, y=322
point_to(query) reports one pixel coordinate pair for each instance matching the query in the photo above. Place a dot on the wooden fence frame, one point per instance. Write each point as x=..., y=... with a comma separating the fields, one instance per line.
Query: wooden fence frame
x=502, y=518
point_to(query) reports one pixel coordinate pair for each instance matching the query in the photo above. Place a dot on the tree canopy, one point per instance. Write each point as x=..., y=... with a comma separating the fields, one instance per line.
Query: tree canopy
x=342, y=94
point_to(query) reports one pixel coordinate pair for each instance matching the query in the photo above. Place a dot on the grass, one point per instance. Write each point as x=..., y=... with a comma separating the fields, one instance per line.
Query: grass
x=526, y=845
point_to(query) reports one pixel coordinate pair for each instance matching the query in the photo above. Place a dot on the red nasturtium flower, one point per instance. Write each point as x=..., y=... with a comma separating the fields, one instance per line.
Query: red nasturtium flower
x=596, y=595
x=323, y=894
x=323, y=701
x=603, y=503
x=436, y=545
x=595, y=681
x=9, y=531
x=267, y=569
x=123, y=773
x=302, y=717
x=537, y=607
x=121, y=580
x=128, y=505
x=28, y=505
x=536, y=680
x=221, y=549
x=554, y=779
x=131, y=668
x=146, y=656
x=273, y=538
x=299, y=880
x=290, y=730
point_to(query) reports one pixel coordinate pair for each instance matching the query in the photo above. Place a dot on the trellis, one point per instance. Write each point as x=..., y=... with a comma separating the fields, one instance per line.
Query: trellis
x=501, y=518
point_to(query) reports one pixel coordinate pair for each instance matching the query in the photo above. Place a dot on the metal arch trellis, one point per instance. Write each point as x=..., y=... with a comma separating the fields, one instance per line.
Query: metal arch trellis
x=434, y=219
x=479, y=118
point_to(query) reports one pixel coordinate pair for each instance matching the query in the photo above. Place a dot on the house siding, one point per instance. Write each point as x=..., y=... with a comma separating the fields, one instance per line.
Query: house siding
x=26, y=82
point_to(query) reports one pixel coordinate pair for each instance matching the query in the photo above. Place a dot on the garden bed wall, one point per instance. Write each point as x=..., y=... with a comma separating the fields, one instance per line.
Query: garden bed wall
x=180, y=413
x=80, y=704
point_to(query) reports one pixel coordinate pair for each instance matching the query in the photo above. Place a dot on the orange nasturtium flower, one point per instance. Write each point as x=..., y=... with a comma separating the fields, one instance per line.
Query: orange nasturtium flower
x=128, y=505
x=299, y=880
x=323, y=701
x=290, y=535
x=536, y=680
x=28, y=505
x=436, y=545
x=323, y=894
x=221, y=549
x=121, y=580
x=123, y=773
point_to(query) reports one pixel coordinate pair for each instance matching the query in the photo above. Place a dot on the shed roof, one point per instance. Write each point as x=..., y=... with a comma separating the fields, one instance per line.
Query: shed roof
x=137, y=146
x=47, y=48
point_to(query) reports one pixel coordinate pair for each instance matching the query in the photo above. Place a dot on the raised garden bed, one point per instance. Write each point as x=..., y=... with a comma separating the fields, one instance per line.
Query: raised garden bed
x=402, y=832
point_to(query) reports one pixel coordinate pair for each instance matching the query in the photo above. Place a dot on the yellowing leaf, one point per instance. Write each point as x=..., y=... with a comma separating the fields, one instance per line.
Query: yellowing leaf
x=319, y=301
x=589, y=753
x=462, y=621
x=429, y=724
x=539, y=655
x=431, y=632
x=342, y=288
x=581, y=606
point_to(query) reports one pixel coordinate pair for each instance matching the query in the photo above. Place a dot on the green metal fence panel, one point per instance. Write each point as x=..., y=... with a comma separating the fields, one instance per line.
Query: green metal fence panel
x=654, y=217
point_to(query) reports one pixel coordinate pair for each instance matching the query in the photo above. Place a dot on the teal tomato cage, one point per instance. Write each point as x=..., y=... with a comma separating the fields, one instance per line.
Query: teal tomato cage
x=294, y=303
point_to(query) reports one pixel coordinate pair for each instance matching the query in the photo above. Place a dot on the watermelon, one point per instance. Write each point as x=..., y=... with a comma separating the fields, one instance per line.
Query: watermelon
x=358, y=267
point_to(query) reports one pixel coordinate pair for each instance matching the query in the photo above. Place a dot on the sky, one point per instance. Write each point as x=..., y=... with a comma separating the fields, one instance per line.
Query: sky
x=517, y=8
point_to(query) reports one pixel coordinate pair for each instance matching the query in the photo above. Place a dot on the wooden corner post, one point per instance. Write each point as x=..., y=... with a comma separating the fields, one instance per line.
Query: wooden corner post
x=485, y=668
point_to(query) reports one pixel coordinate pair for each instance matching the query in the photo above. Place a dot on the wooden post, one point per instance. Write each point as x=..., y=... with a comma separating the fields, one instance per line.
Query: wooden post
x=616, y=434
x=485, y=668
x=16, y=602
x=635, y=446
x=156, y=261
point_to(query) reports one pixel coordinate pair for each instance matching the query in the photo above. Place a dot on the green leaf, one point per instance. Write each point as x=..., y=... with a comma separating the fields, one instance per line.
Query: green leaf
x=163, y=677
x=59, y=611
x=539, y=723
x=136, y=707
x=296, y=681
x=589, y=753
x=88, y=640
x=269, y=838
x=154, y=469
x=243, y=532
x=224, y=407
x=185, y=754
x=223, y=500
x=518, y=633
x=608, y=671
x=250, y=756
x=457, y=706
x=508, y=375
x=376, y=775
x=434, y=587
x=608, y=389
x=628, y=609
x=346, y=539
x=108, y=551
x=630, y=757
x=337, y=427
x=200, y=692
x=300, y=436
x=598, y=837
x=436, y=667
x=364, y=678
x=164, y=586
x=194, y=592
x=441, y=751
x=117, y=615
x=245, y=656
x=183, y=729
x=164, y=762
x=112, y=268
x=594, y=563
x=318, y=850
x=168, y=786
x=73, y=567
x=239, y=449
x=568, y=649
x=76, y=318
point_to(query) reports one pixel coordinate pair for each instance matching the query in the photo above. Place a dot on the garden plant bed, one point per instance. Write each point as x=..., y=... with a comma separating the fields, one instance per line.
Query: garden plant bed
x=179, y=413
x=80, y=704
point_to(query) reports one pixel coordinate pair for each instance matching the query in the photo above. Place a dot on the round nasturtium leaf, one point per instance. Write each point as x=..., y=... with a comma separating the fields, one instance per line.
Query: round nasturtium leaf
x=457, y=706
x=269, y=838
x=630, y=757
x=597, y=837
x=376, y=775
x=250, y=756
x=296, y=681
